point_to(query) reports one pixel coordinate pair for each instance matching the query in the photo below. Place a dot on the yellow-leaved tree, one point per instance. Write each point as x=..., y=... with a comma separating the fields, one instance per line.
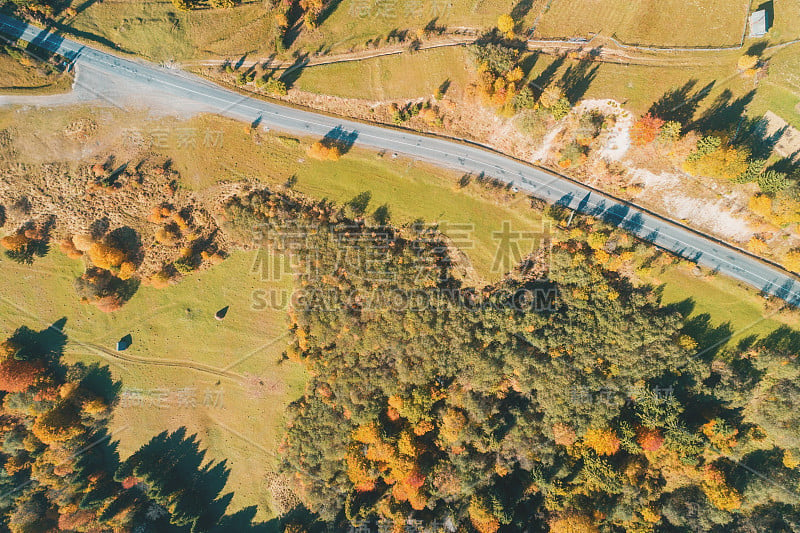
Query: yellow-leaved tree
x=603, y=441
x=505, y=23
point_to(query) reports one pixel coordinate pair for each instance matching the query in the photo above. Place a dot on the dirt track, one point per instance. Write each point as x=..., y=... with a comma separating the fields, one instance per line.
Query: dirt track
x=119, y=356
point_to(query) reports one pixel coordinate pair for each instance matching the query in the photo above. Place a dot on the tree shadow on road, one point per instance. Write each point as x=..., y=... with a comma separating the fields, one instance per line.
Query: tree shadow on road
x=341, y=138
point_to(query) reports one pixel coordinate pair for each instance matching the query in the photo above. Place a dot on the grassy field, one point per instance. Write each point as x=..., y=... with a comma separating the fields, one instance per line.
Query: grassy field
x=736, y=311
x=411, y=189
x=418, y=190
x=780, y=92
x=354, y=22
x=637, y=87
x=158, y=31
x=648, y=22
x=237, y=420
x=784, y=27
x=391, y=77
x=25, y=76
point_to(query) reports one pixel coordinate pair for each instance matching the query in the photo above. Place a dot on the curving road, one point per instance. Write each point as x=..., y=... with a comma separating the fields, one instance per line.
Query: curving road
x=464, y=157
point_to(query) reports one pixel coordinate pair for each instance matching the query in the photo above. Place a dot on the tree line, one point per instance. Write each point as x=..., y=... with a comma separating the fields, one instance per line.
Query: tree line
x=602, y=412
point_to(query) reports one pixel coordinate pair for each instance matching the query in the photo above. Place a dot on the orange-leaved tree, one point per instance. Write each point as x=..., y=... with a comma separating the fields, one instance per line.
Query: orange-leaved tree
x=646, y=129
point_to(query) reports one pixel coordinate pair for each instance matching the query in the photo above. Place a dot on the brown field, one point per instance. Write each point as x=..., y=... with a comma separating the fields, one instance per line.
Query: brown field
x=680, y=23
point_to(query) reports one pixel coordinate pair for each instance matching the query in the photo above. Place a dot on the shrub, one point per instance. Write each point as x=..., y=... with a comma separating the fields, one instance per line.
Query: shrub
x=168, y=235
x=550, y=96
x=23, y=246
x=756, y=245
x=714, y=160
x=761, y=204
x=719, y=493
x=705, y=146
x=67, y=247
x=747, y=62
x=160, y=280
x=572, y=523
x=429, y=115
x=288, y=141
x=83, y=242
x=792, y=260
x=103, y=289
x=670, y=131
x=574, y=153
x=524, y=99
x=515, y=74
x=533, y=123
x=15, y=243
x=494, y=57
x=275, y=87
x=646, y=129
x=772, y=181
x=754, y=169
x=185, y=265
x=560, y=109
x=126, y=270
x=505, y=23
x=105, y=256
x=324, y=151
x=596, y=240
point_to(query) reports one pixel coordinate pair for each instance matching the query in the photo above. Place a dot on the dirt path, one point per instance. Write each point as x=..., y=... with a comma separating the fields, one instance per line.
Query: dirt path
x=269, y=62
x=605, y=50
x=119, y=356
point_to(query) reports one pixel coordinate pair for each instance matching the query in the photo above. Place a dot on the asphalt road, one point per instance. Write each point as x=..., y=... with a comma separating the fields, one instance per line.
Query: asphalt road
x=540, y=183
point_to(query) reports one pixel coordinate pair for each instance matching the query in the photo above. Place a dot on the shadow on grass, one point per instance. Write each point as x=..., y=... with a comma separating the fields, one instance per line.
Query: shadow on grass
x=521, y=10
x=290, y=76
x=547, y=75
x=69, y=31
x=725, y=113
x=680, y=103
x=46, y=344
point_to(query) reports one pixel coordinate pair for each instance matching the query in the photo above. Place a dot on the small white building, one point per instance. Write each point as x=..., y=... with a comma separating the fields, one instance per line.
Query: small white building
x=759, y=24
